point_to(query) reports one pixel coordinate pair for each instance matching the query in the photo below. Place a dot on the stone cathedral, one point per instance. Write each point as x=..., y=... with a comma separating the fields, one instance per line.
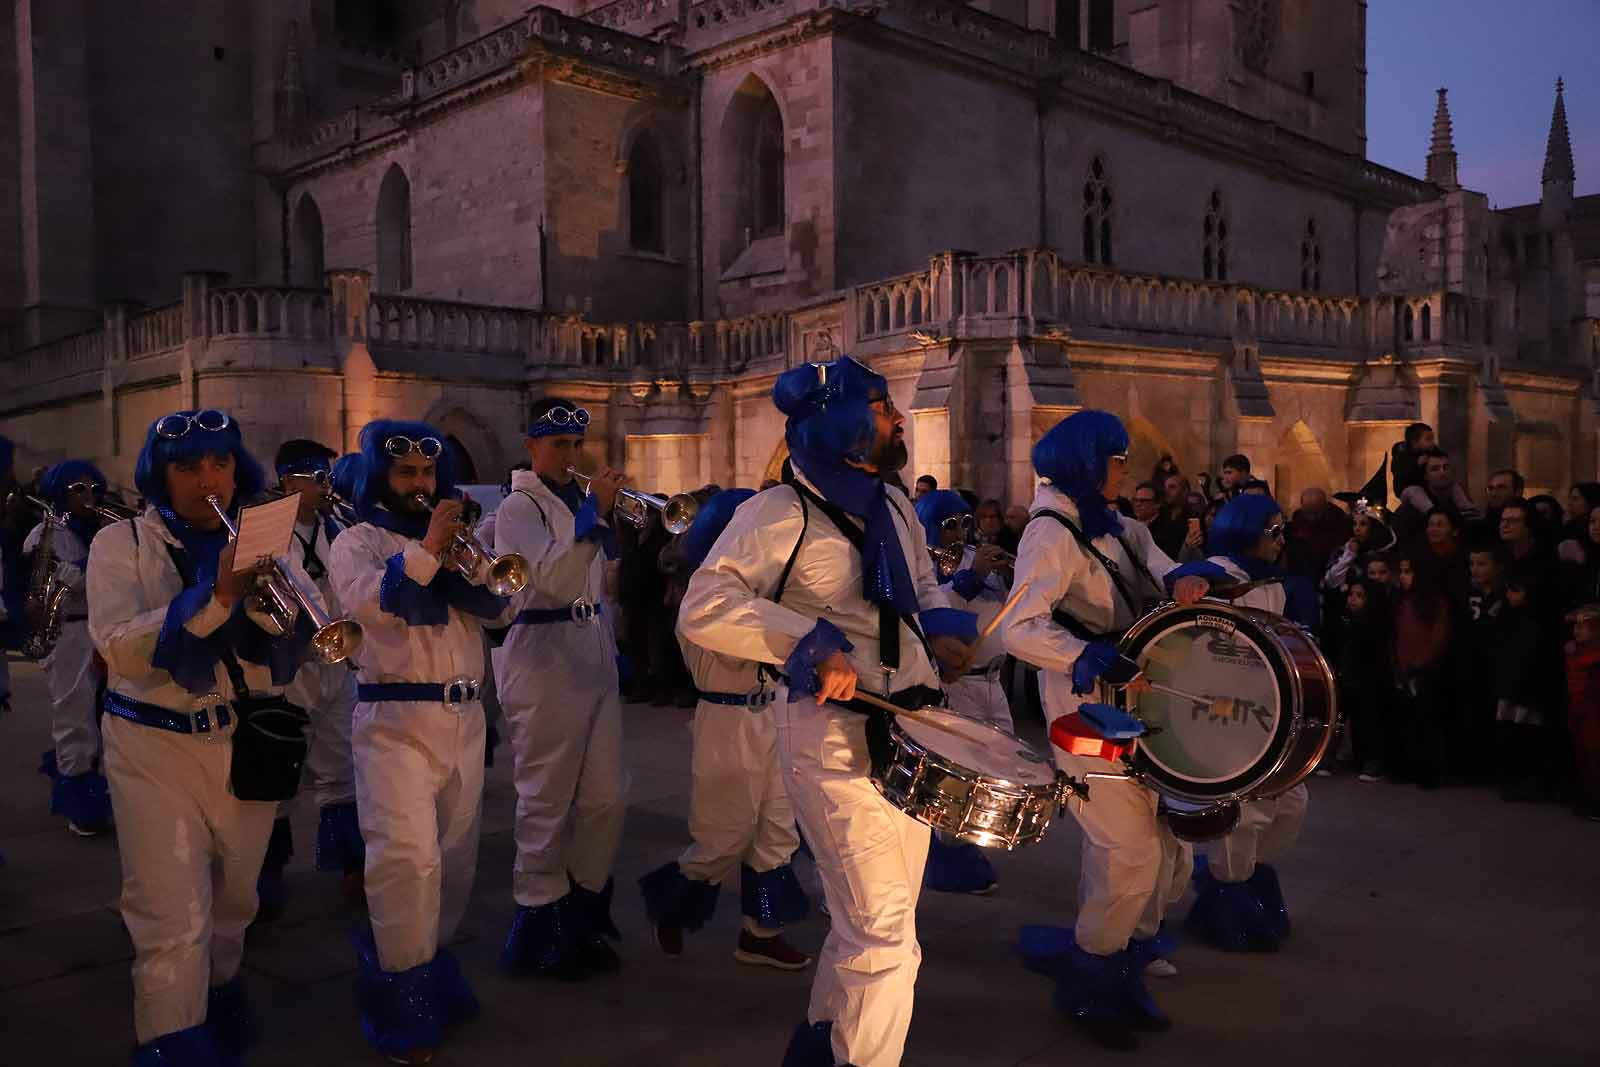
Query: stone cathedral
x=314, y=212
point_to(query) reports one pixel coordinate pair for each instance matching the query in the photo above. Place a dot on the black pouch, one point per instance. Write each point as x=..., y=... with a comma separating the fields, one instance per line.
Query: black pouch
x=269, y=748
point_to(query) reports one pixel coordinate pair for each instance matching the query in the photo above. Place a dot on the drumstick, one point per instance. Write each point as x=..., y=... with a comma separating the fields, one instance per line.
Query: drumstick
x=906, y=713
x=1217, y=705
x=994, y=623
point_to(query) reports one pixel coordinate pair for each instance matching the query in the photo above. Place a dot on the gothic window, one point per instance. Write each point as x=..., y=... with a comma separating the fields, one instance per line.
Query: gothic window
x=1097, y=214
x=394, y=232
x=1214, y=239
x=1102, y=25
x=1067, y=27
x=1410, y=321
x=768, y=171
x=1311, y=258
x=1427, y=322
x=644, y=196
x=305, y=250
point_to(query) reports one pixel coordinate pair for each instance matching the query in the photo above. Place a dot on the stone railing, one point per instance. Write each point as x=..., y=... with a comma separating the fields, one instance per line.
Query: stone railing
x=487, y=54
x=587, y=40
x=268, y=311
x=895, y=305
x=635, y=16
x=710, y=14
x=754, y=337
x=447, y=326
x=79, y=353
x=155, y=330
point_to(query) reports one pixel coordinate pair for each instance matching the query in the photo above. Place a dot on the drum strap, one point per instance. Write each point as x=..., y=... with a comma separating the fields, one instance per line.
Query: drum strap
x=1134, y=605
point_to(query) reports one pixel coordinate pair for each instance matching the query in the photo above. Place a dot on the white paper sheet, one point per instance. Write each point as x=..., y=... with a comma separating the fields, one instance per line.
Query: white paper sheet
x=264, y=531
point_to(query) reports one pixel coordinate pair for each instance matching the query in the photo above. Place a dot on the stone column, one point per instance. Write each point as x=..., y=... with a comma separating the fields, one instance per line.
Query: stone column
x=115, y=316
x=197, y=286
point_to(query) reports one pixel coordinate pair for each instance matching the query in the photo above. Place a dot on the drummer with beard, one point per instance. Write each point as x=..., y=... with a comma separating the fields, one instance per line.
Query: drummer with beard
x=1089, y=577
x=829, y=576
x=417, y=732
x=1240, y=904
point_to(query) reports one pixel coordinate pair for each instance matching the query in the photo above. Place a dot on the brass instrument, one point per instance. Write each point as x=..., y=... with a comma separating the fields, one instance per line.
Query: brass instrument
x=634, y=507
x=503, y=575
x=279, y=596
x=47, y=595
x=947, y=558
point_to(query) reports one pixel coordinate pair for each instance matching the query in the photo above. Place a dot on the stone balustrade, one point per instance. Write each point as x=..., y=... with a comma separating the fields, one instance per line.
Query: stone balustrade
x=895, y=305
x=754, y=337
x=268, y=311
x=447, y=326
x=634, y=16
x=156, y=330
x=79, y=353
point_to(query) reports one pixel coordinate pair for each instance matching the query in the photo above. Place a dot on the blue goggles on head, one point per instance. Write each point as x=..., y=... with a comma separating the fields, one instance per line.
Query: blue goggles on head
x=171, y=427
x=399, y=446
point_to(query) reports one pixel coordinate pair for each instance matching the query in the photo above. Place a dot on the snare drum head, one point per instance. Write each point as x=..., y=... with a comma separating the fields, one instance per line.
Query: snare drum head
x=1230, y=737
x=979, y=747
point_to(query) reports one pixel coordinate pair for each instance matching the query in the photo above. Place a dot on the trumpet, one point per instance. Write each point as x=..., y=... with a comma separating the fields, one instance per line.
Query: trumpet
x=280, y=597
x=634, y=507
x=106, y=511
x=503, y=575
x=948, y=558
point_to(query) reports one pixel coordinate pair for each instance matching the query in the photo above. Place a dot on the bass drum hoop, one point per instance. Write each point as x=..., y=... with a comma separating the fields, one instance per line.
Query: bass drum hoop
x=1207, y=824
x=1263, y=629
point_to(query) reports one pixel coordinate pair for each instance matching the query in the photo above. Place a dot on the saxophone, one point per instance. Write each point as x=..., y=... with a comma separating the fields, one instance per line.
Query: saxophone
x=47, y=595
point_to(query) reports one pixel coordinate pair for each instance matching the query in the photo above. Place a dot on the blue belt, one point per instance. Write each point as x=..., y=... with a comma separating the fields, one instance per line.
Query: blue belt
x=179, y=722
x=579, y=611
x=755, y=700
x=459, y=691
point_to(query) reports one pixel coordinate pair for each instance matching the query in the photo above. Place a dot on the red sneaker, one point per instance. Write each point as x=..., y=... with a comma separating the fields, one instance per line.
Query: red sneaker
x=770, y=952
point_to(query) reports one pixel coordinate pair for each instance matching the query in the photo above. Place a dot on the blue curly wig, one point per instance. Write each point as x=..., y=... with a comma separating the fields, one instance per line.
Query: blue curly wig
x=1240, y=524
x=829, y=409
x=150, y=472
x=1073, y=456
x=709, y=523
x=937, y=506
x=346, y=475
x=53, y=486
x=373, y=478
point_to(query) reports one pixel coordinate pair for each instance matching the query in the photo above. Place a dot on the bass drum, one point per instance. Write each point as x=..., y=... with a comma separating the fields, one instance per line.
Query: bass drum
x=1198, y=822
x=1258, y=709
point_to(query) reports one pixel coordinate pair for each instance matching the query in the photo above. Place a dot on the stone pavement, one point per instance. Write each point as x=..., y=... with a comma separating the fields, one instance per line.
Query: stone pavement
x=1430, y=928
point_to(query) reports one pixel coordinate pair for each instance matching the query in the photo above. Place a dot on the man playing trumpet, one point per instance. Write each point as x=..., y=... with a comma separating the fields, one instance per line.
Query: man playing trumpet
x=556, y=676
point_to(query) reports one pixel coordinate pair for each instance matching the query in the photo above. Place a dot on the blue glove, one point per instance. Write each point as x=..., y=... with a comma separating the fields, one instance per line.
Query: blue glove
x=801, y=667
x=1101, y=660
x=1111, y=723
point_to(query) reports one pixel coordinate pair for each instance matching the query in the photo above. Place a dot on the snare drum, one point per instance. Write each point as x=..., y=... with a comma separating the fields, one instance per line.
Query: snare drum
x=1268, y=711
x=970, y=779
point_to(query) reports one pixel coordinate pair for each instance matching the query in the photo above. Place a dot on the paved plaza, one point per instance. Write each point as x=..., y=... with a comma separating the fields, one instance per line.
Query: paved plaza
x=1430, y=928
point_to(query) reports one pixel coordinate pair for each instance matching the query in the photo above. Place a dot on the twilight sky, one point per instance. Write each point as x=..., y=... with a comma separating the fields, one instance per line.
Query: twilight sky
x=1500, y=63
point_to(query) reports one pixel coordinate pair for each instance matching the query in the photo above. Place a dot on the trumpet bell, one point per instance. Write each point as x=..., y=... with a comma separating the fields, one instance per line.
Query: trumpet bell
x=678, y=514
x=508, y=574
x=337, y=641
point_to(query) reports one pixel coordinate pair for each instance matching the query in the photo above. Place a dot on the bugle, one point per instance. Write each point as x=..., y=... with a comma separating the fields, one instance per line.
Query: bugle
x=947, y=558
x=503, y=575
x=634, y=507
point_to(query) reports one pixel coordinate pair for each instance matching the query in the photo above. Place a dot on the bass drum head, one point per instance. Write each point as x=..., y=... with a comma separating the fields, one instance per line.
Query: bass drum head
x=978, y=747
x=1196, y=822
x=1229, y=738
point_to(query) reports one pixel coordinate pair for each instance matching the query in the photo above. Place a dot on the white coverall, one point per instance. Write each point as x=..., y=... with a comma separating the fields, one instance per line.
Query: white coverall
x=1133, y=868
x=869, y=854
x=557, y=684
x=327, y=691
x=1270, y=826
x=418, y=764
x=738, y=806
x=980, y=693
x=69, y=668
x=190, y=850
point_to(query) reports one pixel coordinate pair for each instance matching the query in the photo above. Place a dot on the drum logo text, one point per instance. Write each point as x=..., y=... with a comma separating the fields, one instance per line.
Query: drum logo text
x=1215, y=622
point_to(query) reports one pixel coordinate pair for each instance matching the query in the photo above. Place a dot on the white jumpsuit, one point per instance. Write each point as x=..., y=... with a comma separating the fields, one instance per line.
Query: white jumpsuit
x=980, y=693
x=557, y=685
x=69, y=668
x=869, y=854
x=418, y=764
x=1133, y=868
x=190, y=850
x=1270, y=826
x=327, y=691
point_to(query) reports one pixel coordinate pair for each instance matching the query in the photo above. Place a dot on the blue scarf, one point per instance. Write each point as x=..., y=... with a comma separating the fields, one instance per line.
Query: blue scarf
x=885, y=578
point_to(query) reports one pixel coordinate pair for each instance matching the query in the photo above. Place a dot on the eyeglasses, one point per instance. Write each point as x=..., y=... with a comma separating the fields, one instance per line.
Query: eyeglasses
x=1120, y=457
x=320, y=477
x=1144, y=500
x=177, y=424
x=400, y=446
x=887, y=402
x=1276, y=531
x=86, y=487
x=565, y=417
x=956, y=522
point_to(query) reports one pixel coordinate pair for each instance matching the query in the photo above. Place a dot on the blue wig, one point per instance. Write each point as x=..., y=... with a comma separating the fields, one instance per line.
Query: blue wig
x=1073, y=456
x=1240, y=524
x=709, y=523
x=937, y=506
x=829, y=410
x=347, y=475
x=150, y=472
x=372, y=480
x=54, y=484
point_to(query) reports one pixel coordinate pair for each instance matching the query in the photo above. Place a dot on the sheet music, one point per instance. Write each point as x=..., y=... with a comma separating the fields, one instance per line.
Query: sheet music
x=264, y=531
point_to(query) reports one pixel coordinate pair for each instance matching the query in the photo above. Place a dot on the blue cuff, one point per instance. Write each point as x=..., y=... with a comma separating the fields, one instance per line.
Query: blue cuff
x=466, y=597
x=284, y=655
x=586, y=526
x=966, y=583
x=1100, y=659
x=801, y=667
x=1111, y=723
x=949, y=622
x=1202, y=568
x=418, y=605
x=190, y=660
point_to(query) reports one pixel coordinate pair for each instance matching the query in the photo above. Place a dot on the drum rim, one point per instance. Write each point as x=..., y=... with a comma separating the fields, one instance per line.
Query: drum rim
x=988, y=781
x=1263, y=628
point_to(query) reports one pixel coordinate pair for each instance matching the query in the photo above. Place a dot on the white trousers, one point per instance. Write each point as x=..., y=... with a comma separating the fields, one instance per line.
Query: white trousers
x=870, y=857
x=571, y=790
x=982, y=698
x=190, y=855
x=328, y=694
x=1267, y=829
x=738, y=806
x=1132, y=868
x=419, y=793
x=70, y=677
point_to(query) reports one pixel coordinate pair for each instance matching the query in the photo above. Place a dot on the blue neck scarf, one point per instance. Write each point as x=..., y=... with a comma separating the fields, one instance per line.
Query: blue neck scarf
x=885, y=578
x=405, y=523
x=1255, y=568
x=200, y=547
x=83, y=528
x=571, y=494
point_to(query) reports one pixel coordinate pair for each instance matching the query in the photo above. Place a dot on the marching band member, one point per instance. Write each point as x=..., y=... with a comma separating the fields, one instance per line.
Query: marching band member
x=739, y=812
x=556, y=677
x=79, y=791
x=184, y=651
x=976, y=586
x=1240, y=904
x=1089, y=576
x=417, y=732
x=830, y=577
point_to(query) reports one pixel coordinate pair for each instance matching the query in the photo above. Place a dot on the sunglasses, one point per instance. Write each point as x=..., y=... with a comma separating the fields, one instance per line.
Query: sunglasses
x=400, y=446
x=86, y=487
x=956, y=522
x=177, y=424
x=321, y=477
x=1276, y=531
x=888, y=404
x=566, y=417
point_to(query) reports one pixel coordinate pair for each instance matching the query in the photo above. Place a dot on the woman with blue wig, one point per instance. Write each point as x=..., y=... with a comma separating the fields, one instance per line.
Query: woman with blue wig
x=739, y=811
x=417, y=731
x=78, y=790
x=186, y=651
x=830, y=577
x=1089, y=577
x=1240, y=907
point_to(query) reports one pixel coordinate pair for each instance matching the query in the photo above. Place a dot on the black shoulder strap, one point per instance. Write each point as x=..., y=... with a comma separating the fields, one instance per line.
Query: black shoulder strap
x=133, y=528
x=535, y=502
x=794, y=554
x=1105, y=561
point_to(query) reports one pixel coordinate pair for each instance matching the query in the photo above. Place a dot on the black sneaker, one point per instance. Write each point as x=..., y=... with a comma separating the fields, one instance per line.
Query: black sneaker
x=669, y=939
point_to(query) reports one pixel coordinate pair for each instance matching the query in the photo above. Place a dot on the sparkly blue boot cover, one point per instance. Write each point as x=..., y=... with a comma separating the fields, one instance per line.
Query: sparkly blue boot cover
x=772, y=898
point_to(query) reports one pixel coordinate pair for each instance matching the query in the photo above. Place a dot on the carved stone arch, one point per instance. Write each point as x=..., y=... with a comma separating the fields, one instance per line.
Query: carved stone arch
x=1146, y=444
x=1301, y=464
x=478, y=441
x=774, y=471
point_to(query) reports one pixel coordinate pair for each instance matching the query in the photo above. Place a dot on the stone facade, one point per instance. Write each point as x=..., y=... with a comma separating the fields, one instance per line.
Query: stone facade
x=444, y=208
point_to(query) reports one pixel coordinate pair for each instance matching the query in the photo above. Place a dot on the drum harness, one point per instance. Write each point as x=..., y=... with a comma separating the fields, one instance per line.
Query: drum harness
x=1070, y=622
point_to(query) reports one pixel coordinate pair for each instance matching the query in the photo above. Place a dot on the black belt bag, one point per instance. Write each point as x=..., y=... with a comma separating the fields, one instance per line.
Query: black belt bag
x=269, y=748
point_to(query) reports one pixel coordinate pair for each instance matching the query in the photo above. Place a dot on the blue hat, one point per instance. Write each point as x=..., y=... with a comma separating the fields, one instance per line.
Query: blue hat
x=373, y=478
x=53, y=486
x=828, y=405
x=710, y=521
x=150, y=471
x=1073, y=455
x=937, y=506
x=1240, y=524
x=346, y=475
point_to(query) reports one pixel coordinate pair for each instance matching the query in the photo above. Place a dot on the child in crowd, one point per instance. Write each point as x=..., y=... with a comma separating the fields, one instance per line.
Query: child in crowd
x=1583, y=705
x=1377, y=567
x=1519, y=691
x=1364, y=672
x=1476, y=653
x=1421, y=640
